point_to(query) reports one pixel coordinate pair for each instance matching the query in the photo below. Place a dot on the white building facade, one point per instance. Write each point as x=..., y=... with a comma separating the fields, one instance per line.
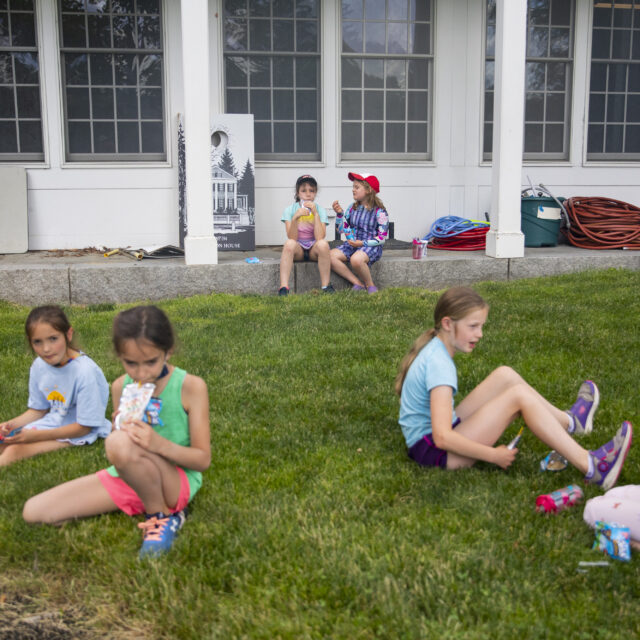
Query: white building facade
x=415, y=91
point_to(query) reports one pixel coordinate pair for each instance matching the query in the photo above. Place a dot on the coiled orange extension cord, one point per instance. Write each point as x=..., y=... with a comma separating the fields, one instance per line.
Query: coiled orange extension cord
x=602, y=223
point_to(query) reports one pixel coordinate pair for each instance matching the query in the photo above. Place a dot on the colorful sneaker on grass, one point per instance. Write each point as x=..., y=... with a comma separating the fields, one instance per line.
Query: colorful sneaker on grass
x=160, y=531
x=585, y=407
x=609, y=458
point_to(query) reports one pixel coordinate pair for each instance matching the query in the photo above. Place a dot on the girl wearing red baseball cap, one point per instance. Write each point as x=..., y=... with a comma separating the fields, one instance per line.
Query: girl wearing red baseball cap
x=366, y=226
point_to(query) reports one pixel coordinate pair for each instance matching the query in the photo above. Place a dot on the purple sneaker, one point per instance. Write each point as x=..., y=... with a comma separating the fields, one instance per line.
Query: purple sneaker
x=372, y=289
x=357, y=287
x=609, y=458
x=585, y=407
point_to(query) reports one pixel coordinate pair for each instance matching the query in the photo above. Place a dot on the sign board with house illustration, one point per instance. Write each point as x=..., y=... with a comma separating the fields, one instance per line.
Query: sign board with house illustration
x=232, y=181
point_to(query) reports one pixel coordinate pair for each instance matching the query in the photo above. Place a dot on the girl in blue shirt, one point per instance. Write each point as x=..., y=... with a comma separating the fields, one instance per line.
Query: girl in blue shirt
x=68, y=393
x=439, y=435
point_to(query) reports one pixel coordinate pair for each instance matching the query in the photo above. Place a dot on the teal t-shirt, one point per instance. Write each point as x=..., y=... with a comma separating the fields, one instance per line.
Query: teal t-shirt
x=175, y=423
x=433, y=367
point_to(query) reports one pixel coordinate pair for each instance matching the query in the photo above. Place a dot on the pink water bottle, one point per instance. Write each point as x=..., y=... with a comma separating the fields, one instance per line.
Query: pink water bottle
x=559, y=500
x=418, y=249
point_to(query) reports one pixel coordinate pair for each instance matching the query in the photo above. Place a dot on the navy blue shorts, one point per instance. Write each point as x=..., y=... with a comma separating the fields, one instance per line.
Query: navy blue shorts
x=426, y=454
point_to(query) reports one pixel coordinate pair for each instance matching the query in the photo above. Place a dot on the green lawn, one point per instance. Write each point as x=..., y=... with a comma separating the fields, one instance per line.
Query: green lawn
x=312, y=522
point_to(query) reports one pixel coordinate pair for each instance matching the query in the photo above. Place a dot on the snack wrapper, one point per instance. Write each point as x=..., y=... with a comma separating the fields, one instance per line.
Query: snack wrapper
x=133, y=402
x=553, y=462
x=613, y=539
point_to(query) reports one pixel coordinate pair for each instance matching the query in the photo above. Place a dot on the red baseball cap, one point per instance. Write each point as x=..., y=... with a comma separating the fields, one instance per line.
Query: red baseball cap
x=370, y=179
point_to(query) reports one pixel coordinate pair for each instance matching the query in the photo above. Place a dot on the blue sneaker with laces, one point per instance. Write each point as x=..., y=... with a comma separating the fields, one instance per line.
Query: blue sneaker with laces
x=160, y=531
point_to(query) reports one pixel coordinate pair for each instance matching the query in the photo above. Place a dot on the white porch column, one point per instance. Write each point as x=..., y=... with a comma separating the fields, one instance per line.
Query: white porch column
x=200, y=244
x=505, y=240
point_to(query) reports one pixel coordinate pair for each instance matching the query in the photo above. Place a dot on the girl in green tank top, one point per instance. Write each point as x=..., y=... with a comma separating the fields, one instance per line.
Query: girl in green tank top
x=157, y=461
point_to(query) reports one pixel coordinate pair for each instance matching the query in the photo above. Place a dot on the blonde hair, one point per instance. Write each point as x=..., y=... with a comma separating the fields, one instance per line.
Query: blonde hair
x=455, y=303
x=372, y=199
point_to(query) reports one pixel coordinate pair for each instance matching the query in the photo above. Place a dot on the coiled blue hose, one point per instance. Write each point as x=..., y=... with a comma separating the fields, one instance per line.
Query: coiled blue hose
x=449, y=226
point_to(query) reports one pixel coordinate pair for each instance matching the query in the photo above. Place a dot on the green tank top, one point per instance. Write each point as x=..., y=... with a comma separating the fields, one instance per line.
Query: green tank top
x=175, y=423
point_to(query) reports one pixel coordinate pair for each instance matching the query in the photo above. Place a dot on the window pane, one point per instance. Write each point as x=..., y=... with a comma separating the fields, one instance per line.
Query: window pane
x=351, y=137
x=281, y=87
x=306, y=35
x=76, y=69
x=260, y=35
x=351, y=72
x=283, y=35
x=260, y=102
x=127, y=104
x=283, y=105
x=102, y=103
x=23, y=32
x=352, y=37
x=128, y=133
x=26, y=68
x=115, y=98
x=395, y=138
x=374, y=74
x=7, y=102
x=306, y=105
x=548, y=77
x=101, y=69
x=151, y=104
x=283, y=139
x=104, y=137
x=77, y=103
x=8, y=137
x=307, y=72
x=79, y=137
x=351, y=105
x=307, y=137
x=375, y=38
x=374, y=105
x=152, y=137
x=397, y=85
x=373, y=137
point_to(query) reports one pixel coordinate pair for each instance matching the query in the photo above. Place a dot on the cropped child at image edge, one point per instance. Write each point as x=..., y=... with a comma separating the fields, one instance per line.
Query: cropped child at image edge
x=156, y=468
x=68, y=393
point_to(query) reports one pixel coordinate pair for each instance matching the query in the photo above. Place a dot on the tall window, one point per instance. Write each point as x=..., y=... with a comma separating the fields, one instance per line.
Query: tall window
x=20, y=115
x=112, y=64
x=548, y=78
x=614, y=93
x=272, y=70
x=386, y=80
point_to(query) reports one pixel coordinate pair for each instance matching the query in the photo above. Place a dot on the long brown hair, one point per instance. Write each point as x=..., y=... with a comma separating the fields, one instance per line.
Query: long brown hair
x=372, y=199
x=143, y=323
x=454, y=303
x=54, y=316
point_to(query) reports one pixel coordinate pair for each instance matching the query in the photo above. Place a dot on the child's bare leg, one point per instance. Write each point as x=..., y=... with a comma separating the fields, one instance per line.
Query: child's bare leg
x=13, y=452
x=494, y=384
x=152, y=477
x=339, y=265
x=290, y=251
x=360, y=264
x=79, y=498
x=489, y=421
x=320, y=253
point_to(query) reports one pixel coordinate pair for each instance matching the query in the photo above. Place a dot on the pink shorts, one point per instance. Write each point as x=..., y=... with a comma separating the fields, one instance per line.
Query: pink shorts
x=127, y=500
